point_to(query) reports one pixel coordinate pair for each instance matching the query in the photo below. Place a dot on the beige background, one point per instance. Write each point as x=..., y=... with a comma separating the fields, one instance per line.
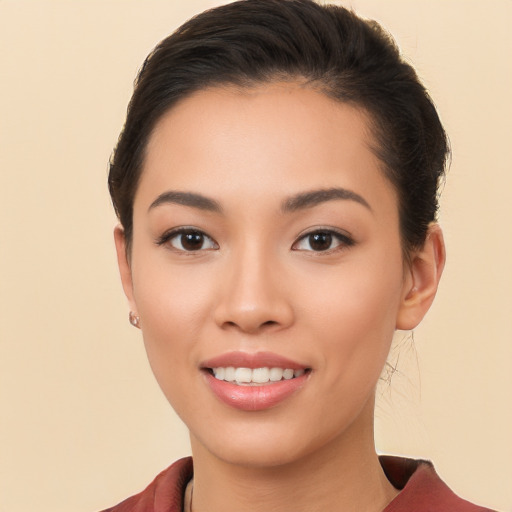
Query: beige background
x=82, y=423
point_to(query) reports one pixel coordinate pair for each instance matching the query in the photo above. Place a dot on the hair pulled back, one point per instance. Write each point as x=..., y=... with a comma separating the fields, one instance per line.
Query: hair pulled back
x=252, y=42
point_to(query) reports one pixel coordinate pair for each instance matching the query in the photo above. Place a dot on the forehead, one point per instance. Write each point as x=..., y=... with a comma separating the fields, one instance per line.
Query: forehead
x=281, y=137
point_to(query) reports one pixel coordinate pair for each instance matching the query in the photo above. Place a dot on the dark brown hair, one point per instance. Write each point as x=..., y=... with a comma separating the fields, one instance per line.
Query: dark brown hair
x=251, y=42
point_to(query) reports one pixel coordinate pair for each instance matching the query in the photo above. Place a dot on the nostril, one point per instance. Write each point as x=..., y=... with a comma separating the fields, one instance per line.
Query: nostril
x=268, y=323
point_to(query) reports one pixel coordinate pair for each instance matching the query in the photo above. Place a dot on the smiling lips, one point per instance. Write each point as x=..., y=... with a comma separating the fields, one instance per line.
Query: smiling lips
x=255, y=376
x=254, y=382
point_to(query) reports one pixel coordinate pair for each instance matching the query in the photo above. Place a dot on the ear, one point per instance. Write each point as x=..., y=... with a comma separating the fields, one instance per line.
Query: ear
x=422, y=279
x=124, y=266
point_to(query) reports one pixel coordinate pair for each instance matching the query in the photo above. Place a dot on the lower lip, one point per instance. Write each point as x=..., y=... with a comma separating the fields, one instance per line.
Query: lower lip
x=255, y=398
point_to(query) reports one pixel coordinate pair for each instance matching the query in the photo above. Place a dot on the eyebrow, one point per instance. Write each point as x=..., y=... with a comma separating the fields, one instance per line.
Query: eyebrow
x=297, y=202
x=315, y=197
x=187, y=199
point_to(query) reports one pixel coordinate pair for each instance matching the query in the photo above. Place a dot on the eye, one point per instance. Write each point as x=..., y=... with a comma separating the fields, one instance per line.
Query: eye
x=322, y=240
x=187, y=240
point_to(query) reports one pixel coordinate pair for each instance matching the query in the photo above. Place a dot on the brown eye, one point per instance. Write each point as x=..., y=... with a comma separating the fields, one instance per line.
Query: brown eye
x=322, y=240
x=188, y=240
x=192, y=241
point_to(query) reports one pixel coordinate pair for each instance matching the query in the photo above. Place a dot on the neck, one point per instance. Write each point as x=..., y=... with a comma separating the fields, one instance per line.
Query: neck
x=345, y=474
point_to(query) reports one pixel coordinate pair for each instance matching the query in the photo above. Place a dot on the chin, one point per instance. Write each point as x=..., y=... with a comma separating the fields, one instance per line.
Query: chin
x=268, y=444
x=273, y=455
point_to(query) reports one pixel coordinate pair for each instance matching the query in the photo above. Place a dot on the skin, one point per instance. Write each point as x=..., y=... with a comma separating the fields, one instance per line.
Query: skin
x=257, y=285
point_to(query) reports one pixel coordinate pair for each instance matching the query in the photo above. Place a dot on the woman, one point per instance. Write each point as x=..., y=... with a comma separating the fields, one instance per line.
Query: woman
x=276, y=184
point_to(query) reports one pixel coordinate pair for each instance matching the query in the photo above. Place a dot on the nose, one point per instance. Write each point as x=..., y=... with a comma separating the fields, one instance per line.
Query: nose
x=253, y=295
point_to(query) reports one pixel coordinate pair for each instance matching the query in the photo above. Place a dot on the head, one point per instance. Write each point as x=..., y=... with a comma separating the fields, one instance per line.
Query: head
x=329, y=48
x=276, y=183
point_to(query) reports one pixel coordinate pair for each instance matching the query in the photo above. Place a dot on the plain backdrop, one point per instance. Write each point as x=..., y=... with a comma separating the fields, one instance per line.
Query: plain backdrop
x=83, y=424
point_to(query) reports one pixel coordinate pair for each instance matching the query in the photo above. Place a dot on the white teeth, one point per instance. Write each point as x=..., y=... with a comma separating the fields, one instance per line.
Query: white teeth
x=260, y=375
x=243, y=375
x=288, y=374
x=276, y=374
x=229, y=374
x=256, y=375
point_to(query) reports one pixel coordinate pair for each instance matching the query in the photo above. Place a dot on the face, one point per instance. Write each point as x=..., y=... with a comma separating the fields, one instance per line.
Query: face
x=266, y=251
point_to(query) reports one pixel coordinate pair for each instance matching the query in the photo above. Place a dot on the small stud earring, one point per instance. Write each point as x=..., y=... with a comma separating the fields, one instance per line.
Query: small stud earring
x=134, y=319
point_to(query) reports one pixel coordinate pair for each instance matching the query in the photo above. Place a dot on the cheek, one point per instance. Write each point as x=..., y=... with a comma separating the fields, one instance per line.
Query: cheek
x=170, y=298
x=173, y=305
x=354, y=316
x=357, y=298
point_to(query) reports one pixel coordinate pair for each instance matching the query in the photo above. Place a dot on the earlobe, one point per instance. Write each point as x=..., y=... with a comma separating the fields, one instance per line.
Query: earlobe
x=421, y=285
x=124, y=265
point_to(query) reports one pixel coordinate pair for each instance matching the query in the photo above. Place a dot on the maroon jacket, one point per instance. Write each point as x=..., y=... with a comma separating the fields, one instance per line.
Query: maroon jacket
x=421, y=489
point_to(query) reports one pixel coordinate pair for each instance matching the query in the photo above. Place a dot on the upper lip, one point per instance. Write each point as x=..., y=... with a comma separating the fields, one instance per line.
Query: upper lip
x=252, y=360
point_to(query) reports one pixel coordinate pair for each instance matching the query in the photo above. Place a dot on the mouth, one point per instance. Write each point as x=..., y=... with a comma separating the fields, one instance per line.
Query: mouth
x=254, y=382
x=242, y=376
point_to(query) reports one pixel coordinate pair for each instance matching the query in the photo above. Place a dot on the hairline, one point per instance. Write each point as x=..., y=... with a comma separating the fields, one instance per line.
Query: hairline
x=244, y=84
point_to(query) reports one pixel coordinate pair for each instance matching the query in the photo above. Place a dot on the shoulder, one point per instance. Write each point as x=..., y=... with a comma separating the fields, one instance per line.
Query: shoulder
x=164, y=493
x=421, y=489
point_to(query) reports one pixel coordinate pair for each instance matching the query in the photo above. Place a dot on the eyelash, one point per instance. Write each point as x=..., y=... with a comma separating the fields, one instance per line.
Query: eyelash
x=174, y=233
x=343, y=240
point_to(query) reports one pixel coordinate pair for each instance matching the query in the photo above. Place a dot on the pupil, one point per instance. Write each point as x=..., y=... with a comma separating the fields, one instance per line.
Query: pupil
x=320, y=241
x=192, y=241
